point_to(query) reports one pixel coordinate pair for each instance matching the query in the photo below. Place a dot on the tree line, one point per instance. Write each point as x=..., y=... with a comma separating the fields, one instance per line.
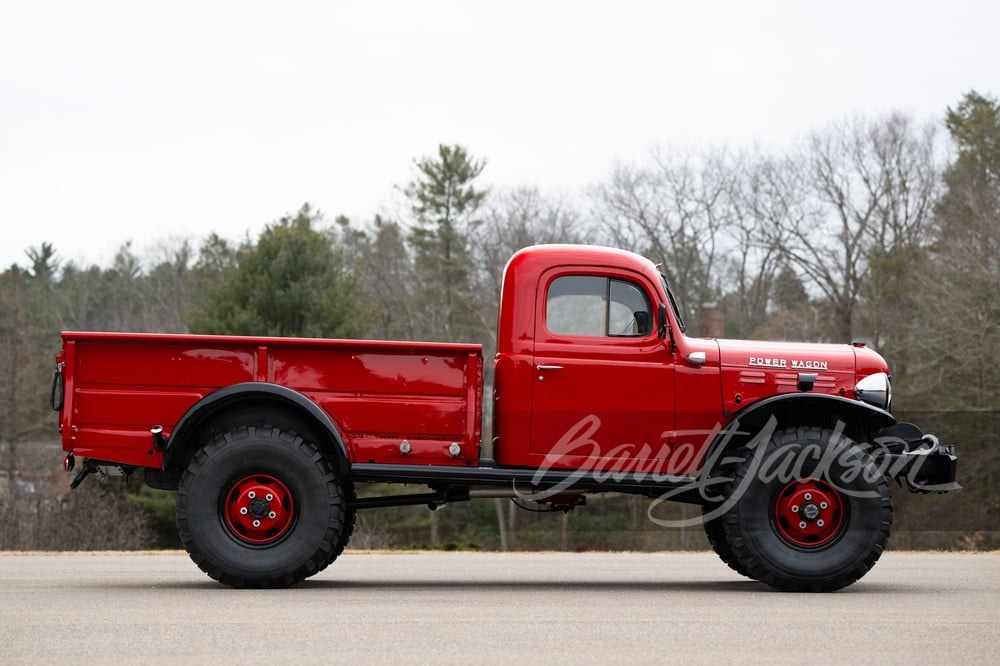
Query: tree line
x=884, y=229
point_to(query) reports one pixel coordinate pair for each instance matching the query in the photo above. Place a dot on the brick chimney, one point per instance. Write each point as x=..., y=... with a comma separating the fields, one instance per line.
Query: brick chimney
x=711, y=321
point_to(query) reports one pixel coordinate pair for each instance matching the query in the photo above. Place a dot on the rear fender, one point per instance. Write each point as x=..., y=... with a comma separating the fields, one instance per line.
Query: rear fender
x=183, y=438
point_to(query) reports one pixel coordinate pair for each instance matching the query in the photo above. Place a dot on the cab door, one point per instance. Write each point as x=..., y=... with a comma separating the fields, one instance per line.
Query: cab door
x=603, y=387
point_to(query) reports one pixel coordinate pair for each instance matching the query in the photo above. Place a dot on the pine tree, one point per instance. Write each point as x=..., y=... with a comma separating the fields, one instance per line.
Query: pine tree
x=293, y=282
x=444, y=202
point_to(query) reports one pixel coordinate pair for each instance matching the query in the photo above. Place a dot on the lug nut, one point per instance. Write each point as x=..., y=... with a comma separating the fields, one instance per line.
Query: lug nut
x=269, y=497
x=243, y=511
x=823, y=505
x=819, y=523
x=808, y=496
x=256, y=523
x=795, y=508
x=252, y=494
x=802, y=525
x=272, y=515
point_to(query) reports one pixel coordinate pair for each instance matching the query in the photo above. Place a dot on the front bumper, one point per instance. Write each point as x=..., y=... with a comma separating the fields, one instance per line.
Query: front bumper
x=917, y=460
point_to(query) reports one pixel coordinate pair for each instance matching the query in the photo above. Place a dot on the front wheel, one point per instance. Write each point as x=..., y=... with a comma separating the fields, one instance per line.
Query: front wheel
x=260, y=507
x=810, y=511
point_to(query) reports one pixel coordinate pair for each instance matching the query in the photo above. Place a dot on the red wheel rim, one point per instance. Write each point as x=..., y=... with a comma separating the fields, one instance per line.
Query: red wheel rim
x=259, y=509
x=809, y=513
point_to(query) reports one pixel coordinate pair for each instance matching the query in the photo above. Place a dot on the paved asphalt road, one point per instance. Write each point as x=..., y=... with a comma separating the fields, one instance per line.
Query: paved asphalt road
x=548, y=608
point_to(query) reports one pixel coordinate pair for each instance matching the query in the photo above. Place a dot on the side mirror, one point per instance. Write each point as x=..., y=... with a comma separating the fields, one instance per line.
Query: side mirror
x=662, y=312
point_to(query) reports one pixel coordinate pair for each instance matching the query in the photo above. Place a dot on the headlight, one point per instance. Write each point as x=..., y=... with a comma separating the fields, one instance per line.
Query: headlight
x=875, y=390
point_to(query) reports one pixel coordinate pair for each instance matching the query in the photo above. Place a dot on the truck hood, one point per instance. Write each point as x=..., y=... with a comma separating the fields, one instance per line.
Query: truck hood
x=753, y=371
x=787, y=356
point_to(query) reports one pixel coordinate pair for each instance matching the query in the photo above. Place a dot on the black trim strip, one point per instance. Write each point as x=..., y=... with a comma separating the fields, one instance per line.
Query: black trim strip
x=846, y=403
x=525, y=479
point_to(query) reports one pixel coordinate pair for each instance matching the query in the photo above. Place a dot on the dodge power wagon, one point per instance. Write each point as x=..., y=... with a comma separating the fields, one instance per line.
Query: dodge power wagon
x=786, y=447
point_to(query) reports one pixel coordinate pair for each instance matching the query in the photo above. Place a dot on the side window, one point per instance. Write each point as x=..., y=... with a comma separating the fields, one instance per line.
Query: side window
x=576, y=305
x=597, y=306
x=628, y=313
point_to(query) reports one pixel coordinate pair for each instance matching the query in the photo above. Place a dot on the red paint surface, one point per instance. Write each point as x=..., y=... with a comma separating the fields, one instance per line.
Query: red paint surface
x=613, y=401
x=377, y=393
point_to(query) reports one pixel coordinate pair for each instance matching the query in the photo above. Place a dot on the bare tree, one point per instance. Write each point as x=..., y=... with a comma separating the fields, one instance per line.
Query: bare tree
x=512, y=220
x=379, y=255
x=869, y=186
x=672, y=213
x=762, y=203
x=169, y=288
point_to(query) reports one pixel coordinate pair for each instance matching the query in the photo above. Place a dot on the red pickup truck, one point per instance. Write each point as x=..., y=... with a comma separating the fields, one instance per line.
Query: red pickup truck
x=786, y=447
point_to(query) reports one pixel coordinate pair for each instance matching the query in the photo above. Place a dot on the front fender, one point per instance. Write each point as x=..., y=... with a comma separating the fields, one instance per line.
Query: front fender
x=813, y=409
x=857, y=420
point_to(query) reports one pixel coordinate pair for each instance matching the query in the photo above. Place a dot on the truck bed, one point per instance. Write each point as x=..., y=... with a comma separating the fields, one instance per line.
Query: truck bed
x=378, y=394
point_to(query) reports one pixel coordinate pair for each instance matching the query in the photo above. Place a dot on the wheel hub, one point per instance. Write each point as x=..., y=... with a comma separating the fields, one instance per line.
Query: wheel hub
x=259, y=509
x=809, y=513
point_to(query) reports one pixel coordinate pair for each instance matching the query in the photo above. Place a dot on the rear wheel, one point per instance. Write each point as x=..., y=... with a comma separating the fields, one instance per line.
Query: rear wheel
x=811, y=512
x=260, y=507
x=350, y=520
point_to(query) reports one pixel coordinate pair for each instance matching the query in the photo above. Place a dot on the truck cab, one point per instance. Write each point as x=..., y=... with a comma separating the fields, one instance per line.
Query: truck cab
x=582, y=351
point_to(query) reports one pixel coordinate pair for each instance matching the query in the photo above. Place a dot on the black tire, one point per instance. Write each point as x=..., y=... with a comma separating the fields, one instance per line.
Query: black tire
x=350, y=520
x=716, y=533
x=810, y=513
x=261, y=507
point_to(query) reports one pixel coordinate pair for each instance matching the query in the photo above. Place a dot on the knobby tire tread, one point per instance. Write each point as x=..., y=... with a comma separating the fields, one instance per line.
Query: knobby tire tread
x=763, y=571
x=338, y=527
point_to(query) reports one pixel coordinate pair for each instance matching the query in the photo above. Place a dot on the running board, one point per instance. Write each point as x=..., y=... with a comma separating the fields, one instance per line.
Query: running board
x=529, y=480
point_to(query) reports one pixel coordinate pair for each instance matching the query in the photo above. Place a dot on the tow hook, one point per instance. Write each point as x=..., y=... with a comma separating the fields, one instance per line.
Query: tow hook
x=917, y=461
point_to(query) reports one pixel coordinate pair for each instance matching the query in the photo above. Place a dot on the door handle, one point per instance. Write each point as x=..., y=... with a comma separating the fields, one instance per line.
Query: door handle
x=543, y=368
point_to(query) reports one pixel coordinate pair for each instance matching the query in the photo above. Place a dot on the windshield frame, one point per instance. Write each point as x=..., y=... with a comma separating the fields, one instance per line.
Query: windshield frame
x=673, y=303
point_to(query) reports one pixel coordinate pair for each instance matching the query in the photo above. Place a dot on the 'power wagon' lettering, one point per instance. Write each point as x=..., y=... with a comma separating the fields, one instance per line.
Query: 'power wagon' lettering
x=763, y=361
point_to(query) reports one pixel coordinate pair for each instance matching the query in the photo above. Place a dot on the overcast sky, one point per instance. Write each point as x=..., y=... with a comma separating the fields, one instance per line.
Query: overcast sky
x=147, y=121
